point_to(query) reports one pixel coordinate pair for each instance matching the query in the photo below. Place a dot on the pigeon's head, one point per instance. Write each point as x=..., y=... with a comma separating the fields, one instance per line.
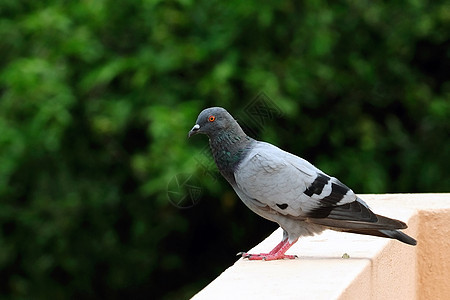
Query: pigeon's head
x=212, y=121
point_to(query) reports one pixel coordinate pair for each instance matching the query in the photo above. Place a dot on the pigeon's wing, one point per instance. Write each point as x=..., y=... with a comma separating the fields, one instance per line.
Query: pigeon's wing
x=288, y=184
x=291, y=186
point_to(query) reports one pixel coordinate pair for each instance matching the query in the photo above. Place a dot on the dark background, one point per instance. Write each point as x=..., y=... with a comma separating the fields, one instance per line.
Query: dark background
x=101, y=193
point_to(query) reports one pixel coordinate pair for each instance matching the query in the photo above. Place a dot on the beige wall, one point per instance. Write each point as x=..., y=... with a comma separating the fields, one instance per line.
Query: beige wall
x=433, y=256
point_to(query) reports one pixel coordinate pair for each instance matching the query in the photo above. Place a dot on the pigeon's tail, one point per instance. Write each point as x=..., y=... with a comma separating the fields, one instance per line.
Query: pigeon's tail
x=398, y=235
x=356, y=217
x=393, y=234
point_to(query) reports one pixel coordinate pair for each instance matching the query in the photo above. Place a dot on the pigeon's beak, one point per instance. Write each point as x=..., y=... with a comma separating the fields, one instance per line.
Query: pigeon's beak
x=194, y=130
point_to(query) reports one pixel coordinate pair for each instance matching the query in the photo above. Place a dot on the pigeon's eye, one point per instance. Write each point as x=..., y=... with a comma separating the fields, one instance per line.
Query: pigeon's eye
x=211, y=118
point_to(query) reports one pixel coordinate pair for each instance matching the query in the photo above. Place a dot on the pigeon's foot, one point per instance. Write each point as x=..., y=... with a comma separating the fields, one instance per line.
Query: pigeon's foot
x=276, y=253
x=267, y=256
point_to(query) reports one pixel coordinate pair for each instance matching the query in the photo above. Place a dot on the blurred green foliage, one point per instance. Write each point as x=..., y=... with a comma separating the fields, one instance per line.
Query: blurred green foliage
x=97, y=98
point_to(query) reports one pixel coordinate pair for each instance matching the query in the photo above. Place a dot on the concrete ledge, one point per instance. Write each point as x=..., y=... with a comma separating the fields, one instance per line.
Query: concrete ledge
x=377, y=268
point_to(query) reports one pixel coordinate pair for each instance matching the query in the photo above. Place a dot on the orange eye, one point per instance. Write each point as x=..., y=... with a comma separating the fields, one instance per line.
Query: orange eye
x=211, y=118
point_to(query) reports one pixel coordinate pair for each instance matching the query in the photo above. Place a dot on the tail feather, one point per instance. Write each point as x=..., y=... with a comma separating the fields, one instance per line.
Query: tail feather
x=378, y=222
x=385, y=227
x=398, y=235
x=393, y=234
x=356, y=217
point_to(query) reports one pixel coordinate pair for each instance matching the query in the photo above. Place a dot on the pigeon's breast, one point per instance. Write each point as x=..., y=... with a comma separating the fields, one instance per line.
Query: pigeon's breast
x=228, y=160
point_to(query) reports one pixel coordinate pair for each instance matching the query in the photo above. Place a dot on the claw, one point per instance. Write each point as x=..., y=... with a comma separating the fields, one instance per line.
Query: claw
x=240, y=253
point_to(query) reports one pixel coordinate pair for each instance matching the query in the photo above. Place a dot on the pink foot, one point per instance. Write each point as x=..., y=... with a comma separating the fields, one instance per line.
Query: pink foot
x=267, y=256
x=276, y=253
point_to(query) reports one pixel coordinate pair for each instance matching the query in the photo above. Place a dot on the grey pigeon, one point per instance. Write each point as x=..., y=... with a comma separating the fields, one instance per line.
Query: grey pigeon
x=287, y=189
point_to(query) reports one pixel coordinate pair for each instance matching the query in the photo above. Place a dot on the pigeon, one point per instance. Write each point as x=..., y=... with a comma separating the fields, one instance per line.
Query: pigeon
x=287, y=189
